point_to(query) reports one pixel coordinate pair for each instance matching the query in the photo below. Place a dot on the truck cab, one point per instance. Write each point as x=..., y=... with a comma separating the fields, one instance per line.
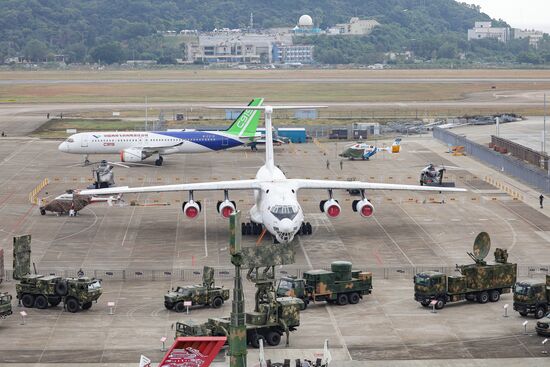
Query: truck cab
x=291, y=287
x=532, y=296
x=430, y=285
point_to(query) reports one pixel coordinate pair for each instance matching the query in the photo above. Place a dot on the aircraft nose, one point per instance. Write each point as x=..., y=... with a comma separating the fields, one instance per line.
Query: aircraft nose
x=285, y=225
x=64, y=147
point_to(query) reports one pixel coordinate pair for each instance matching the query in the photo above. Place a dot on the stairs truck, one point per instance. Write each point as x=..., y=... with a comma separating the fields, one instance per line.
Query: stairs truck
x=205, y=294
x=532, y=297
x=43, y=291
x=479, y=282
x=341, y=285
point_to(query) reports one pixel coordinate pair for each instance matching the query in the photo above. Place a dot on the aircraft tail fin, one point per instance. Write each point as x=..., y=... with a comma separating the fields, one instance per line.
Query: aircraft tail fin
x=246, y=124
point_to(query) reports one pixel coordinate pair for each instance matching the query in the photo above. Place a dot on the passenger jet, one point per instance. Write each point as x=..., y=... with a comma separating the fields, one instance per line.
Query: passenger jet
x=276, y=205
x=136, y=146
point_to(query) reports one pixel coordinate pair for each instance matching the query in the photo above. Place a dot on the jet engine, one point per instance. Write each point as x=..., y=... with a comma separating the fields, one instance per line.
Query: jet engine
x=191, y=209
x=331, y=207
x=364, y=207
x=226, y=208
x=133, y=155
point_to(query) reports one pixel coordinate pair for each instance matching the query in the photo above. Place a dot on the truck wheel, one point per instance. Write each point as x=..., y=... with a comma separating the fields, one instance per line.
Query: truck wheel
x=354, y=298
x=306, y=303
x=273, y=338
x=54, y=301
x=86, y=305
x=494, y=296
x=27, y=300
x=168, y=306
x=342, y=299
x=425, y=302
x=523, y=313
x=42, y=212
x=483, y=297
x=217, y=302
x=255, y=342
x=72, y=305
x=440, y=304
x=179, y=307
x=470, y=297
x=540, y=312
x=40, y=302
x=61, y=288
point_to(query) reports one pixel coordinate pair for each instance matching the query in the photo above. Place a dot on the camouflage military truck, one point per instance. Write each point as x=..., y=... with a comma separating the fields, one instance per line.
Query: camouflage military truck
x=206, y=294
x=5, y=305
x=268, y=323
x=2, y=273
x=532, y=296
x=479, y=282
x=341, y=285
x=43, y=291
x=34, y=290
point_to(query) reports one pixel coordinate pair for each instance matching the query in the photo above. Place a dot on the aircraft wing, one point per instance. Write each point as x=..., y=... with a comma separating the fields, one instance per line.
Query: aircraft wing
x=160, y=148
x=358, y=185
x=202, y=186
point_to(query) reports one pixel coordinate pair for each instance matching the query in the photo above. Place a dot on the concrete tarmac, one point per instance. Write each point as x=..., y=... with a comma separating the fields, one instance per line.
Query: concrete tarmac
x=129, y=246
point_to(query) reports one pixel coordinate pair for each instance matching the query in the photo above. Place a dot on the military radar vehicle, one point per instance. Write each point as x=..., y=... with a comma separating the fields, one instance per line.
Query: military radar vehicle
x=205, y=294
x=341, y=285
x=40, y=291
x=532, y=296
x=479, y=282
x=1, y=265
x=5, y=305
x=272, y=315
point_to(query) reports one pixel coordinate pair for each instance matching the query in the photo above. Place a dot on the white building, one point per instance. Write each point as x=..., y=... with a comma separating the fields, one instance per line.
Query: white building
x=534, y=36
x=355, y=26
x=293, y=54
x=483, y=30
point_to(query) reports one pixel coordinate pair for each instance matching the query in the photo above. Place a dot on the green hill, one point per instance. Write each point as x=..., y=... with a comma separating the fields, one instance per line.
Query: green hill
x=114, y=30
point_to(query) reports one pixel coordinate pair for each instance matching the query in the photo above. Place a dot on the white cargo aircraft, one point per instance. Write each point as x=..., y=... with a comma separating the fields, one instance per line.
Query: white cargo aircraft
x=276, y=205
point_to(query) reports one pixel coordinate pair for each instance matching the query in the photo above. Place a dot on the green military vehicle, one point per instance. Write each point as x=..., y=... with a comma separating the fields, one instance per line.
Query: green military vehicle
x=341, y=285
x=5, y=305
x=268, y=323
x=206, y=294
x=42, y=291
x=479, y=282
x=532, y=296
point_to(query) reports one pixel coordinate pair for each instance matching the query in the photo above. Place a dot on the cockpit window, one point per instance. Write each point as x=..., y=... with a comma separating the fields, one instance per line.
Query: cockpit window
x=70, y=140
x=284, y=211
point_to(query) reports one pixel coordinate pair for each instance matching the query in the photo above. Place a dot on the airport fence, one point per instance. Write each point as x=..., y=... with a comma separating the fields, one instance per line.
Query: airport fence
x=227, y=273
x=531, y=175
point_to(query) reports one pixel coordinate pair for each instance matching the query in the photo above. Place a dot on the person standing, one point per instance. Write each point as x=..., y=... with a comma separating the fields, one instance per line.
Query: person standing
x=341, y=164
x=328, y=164
x=541, y=199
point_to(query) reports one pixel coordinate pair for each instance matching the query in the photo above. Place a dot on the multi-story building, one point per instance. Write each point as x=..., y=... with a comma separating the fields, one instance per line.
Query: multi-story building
x=293, y=54
x=483, y=30
x=355, y=26
x=534, y=36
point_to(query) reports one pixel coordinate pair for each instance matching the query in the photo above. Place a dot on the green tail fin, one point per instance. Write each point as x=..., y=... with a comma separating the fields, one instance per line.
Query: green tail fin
x=246, y=124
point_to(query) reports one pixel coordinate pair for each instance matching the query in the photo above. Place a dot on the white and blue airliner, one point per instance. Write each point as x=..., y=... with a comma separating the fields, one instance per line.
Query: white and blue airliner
x=136, y=146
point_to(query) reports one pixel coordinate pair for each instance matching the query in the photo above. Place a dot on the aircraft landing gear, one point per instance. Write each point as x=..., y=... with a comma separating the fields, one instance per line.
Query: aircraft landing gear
x=86, y=160
x=305, y=229
x=251, y=228
x=158, y=162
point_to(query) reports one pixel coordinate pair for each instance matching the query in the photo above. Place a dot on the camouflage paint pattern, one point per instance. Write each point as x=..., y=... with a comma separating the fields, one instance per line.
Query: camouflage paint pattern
x=21, y=256
x=237, y=337
x=202, y=295
x=262, y=256
x=78, y=203
x=2, y=271
x=325, y=285
x=5, y=305
x=538, y=295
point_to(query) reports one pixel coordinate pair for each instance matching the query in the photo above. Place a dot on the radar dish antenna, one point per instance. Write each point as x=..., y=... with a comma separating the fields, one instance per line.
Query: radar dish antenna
x=482, y=245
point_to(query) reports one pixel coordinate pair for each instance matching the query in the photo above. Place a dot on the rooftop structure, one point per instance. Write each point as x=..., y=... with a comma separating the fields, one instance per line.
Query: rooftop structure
x=483, y=30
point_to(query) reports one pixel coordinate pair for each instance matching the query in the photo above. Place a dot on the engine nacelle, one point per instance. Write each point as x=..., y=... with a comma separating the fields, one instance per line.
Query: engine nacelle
x=226, y=208
x=331, y=207
x=364, y=207
x=133, y=155
x=191, y=209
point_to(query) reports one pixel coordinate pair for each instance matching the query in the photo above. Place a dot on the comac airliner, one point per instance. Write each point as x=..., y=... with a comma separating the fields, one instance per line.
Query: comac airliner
x=136, y=146
x=276, y=208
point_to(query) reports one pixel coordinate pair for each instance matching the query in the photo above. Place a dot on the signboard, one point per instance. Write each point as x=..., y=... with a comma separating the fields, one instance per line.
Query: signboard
x=187, y=303
x=71, y=131
x=196, y=351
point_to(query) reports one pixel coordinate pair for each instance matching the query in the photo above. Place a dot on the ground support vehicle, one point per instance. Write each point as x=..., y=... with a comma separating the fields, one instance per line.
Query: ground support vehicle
x=39, y=291
x=341, y=285
x=479, y=282
x=543, y=327
x=5, y=305
x=205, y=294
x=532, y=297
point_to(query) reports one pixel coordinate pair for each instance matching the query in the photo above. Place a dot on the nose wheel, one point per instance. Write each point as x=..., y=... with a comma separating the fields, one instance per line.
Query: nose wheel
x=158, y=162
x=305, y=229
